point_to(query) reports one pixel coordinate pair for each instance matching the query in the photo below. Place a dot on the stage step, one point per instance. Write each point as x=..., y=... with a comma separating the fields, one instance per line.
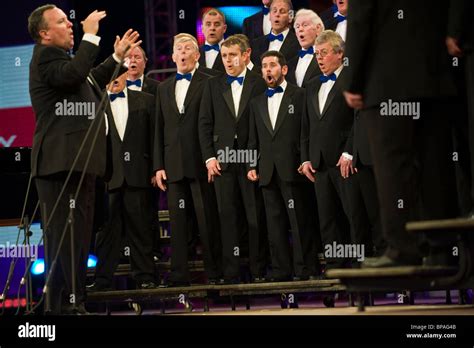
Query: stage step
x=458, y=225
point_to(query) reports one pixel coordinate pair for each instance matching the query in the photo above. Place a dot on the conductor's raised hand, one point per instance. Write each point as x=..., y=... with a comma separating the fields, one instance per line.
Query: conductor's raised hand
x=124, y=45
x=90, y=25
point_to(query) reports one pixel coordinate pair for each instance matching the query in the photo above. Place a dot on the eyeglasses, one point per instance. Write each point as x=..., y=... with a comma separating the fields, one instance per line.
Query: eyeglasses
x=322, y=53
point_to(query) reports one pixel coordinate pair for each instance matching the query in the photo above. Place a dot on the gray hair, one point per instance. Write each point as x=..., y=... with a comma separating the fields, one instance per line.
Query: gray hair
x=334, y=39
x=312, y=15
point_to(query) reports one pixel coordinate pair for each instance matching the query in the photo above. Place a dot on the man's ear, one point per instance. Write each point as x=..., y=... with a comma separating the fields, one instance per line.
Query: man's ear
x=284, y=70
x=44, y=34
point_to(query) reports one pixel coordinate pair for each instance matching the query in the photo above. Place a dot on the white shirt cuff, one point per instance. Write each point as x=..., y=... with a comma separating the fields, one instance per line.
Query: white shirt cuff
x=305, y=162
x=210, y=159
x=347, y=156
x=94, y=39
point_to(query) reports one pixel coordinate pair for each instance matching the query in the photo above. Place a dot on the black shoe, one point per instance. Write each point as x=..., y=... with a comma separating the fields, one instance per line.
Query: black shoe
x=176, y=284
x=259, y=280
x=232, y=281
x=147, y=285
x=300, y=278
x=386, y=261
x=281, y=279
x=317, y=277
x=80, y=309
x=214, y=281
x=96, y=287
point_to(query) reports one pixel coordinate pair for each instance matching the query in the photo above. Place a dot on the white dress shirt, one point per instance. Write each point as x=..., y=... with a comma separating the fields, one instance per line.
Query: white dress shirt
x=341, y=27
x=274, y=104
x=302, y=67
x=237, y=91
x=211, y=55
x=325, y=89
x=135, y=87
x=275, y=45
x=180, y=91
x=119, y=109
x=267, y=25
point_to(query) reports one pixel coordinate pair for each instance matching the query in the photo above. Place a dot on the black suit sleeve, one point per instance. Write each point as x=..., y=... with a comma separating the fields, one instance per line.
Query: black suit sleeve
x=253, y=135
x=459, y=15
x=349, y=147
x=158, y=138
x=58, y=71
x=206, y=124
x=359, y=32
x=304, y=139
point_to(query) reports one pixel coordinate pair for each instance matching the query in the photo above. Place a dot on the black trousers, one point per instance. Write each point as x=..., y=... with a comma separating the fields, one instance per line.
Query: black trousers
x=234, y=190
x=333, y=208
x=286, y=201
x=49, y=188
x=364, y=210
x=184, y=195
x=130, y=219
x=414, y=171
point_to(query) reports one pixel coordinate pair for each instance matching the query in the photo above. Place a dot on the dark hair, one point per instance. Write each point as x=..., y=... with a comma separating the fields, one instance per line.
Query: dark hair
x=36, y=22
x=281, y=57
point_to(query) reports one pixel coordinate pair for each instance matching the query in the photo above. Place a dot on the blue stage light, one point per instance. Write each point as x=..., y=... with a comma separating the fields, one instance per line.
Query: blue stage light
x=91, y=261
x=38, y=267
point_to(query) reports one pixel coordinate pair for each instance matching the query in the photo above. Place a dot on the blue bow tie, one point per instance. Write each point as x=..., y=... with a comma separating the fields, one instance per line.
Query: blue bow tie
x=270, y=92
x=340, y=18
x=187, y=76
x=137, y=83
x=324, y=78
x=278, y=37
x=208, y=48
x=114, y=96
x=265, y=10
x=231, y=79
x=303, y=52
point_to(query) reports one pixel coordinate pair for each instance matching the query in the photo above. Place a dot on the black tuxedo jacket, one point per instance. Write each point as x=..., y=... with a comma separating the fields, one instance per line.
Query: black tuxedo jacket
x=358, y=142
x=289, y=48
x=129, y=160
x=461, y=25
x=176, y=135
x=218, y=124
x=150, y=85
x=374, y=30
x=218, y=65
x=54, y=78
x=324, y=135
x=312, y=71
x=280, y=147
x=253, y=26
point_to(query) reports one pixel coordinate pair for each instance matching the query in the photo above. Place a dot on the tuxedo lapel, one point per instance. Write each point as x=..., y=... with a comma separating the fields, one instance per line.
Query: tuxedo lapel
x=284, y=107
x=315, y=99
x=334, y=90
x=170, y=91
x=263, y=112
x=193, y=87
x=312, y=68
x=132, y=110
x=247, y=88
x=227, y=94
